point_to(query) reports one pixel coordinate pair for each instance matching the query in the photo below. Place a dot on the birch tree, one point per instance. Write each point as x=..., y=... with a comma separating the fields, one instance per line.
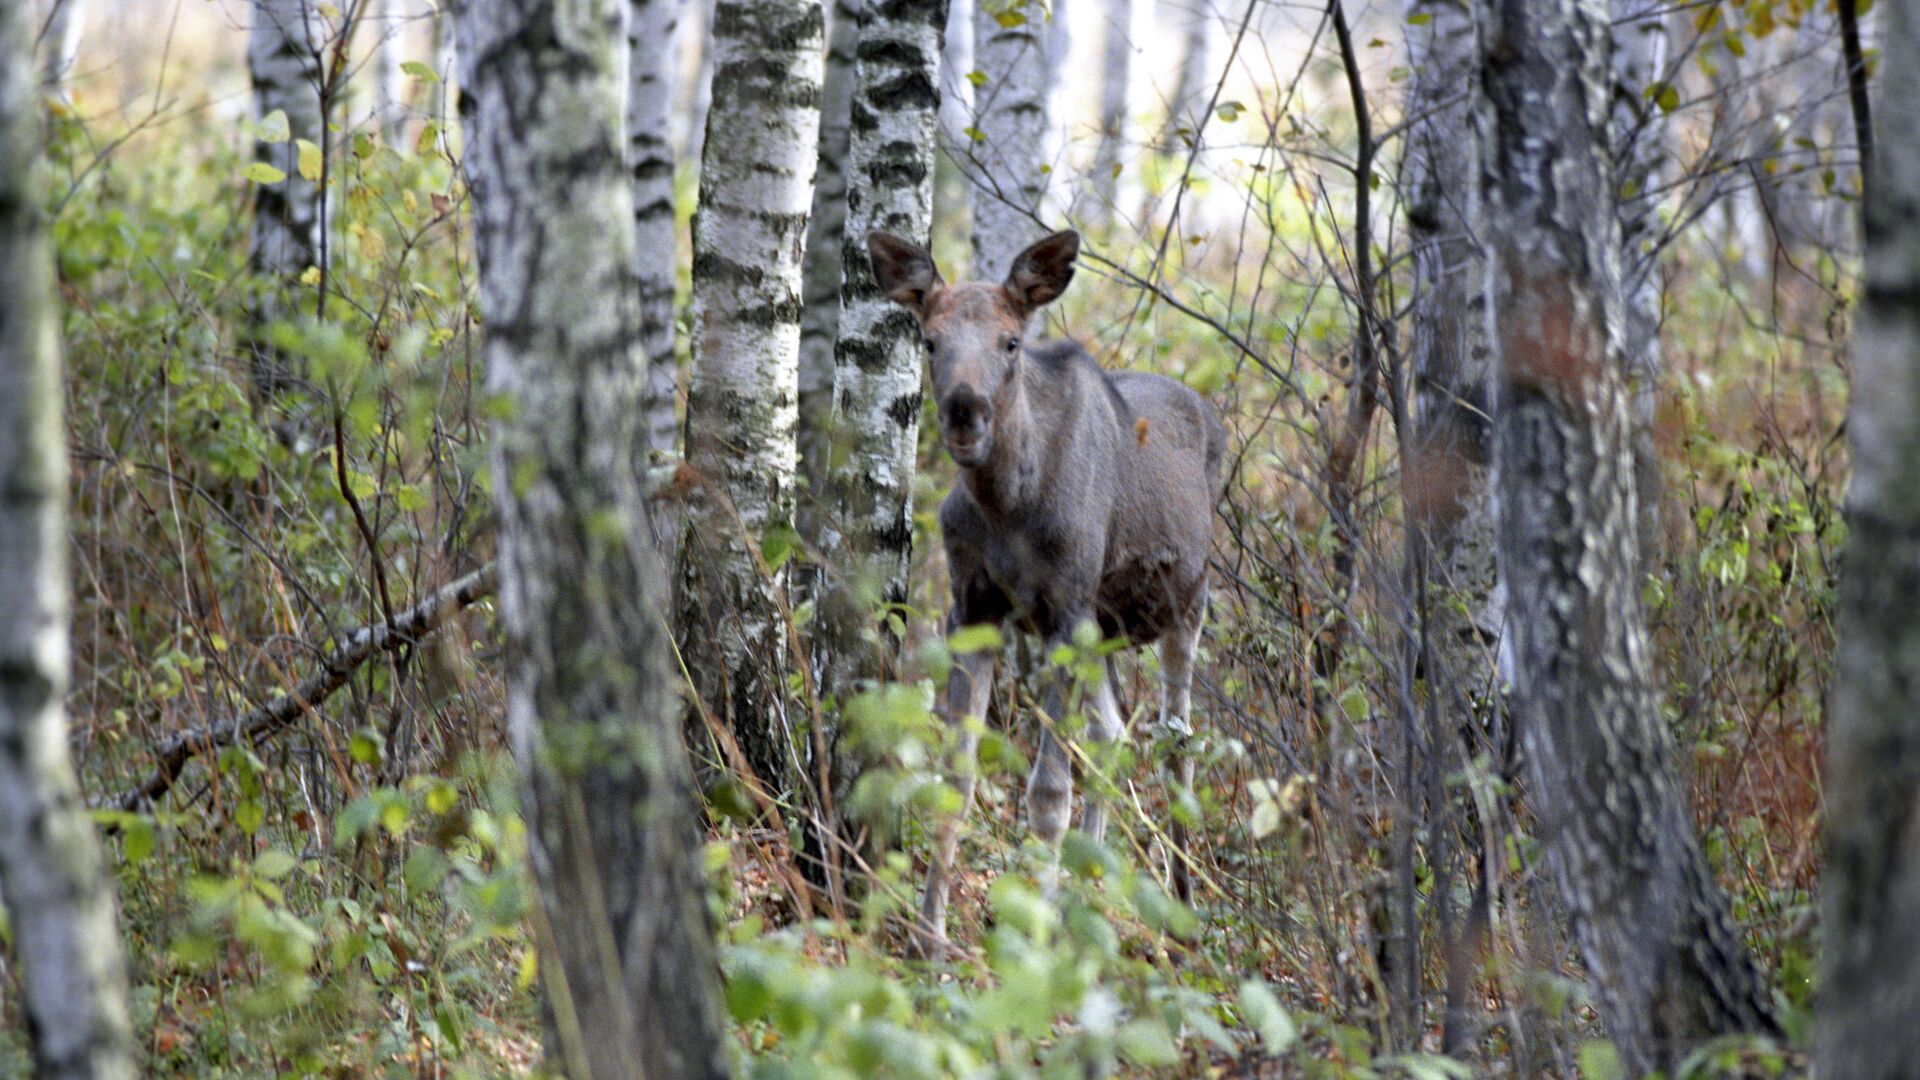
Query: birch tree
x=1193, y=80
x=650, y=165
x=876, y=378
x=58, y=897
x=748, y=243
x=956, y=89
x=826, y=230
x=283, y=59
x=1667, y=964
x=1452, y=360
x=388, y=21
x=1008, y=184
x=1871, y=896
x=628, y=964
x=1639, y=129
x=59, y=37
x=1113, y=156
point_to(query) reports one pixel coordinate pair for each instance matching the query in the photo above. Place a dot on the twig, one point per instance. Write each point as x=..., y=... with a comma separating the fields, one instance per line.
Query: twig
x=405, y=628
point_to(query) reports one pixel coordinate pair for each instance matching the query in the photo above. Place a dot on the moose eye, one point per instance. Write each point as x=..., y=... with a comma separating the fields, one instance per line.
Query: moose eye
x=1013, y=345
x=926, y=343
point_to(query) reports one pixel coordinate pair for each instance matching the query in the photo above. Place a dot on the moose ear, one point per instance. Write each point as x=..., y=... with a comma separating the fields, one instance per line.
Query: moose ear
x=904, y=271
x=1041, y=273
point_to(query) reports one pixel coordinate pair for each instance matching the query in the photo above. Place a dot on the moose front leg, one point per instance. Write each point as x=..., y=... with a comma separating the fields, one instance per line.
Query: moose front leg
x=1103, y=725
x=969, y=687
x=1177, y=650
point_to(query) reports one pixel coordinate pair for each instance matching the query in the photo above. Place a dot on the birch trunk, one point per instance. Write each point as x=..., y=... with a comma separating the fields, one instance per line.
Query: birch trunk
x=748, y=242
x=1452, y=358
x=650, y=167
x=60, y=44
x=58, y=896
x=826, y=230
x=1639, y=131
x=1668, y=966
x=441, y=104
x=627, y=955
x=695, y=93
x=1010, y=107
x=956, y=90
x=1193, y=85
x=283, y=59
x=1871, y=896
x=876, y=379
x=389, y=24
x=1114, y=156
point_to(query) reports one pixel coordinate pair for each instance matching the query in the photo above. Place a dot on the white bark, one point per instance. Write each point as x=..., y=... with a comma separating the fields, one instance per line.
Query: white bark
x=60, y=32
x=1639, y=128
x=57, y=893
x=388, y=23
x=1870, y=900
x=283, y=58
x=876, y=382
x=1113, y=159
x=627, y=955
x=755, y=190
x=650, y=86
x=440, y=104
x=956, y=90
x=1004, y=167
x=826, y=228
x=1193, y=85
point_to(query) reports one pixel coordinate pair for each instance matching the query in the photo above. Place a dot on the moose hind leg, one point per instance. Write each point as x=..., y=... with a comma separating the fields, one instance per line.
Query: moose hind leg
x=969, y=686
x=1103, y=725
x=1177, y=650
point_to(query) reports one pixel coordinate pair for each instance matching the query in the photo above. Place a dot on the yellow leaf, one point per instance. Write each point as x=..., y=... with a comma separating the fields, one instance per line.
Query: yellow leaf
x=309, y=160
x=273, y=127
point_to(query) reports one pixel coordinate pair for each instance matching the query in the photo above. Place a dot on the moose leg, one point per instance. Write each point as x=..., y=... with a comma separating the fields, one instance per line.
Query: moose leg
x=1103, y=725
x=1176, y=666
x=969, y=686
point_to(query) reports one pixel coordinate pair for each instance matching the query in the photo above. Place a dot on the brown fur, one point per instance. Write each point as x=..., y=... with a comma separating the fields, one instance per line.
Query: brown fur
x=1083, y=495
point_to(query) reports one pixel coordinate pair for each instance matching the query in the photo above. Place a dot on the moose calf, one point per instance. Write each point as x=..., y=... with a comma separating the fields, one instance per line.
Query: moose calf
x=1084, y=495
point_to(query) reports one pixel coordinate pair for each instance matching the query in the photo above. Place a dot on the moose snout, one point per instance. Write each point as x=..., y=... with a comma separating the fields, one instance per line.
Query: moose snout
x=966, y=419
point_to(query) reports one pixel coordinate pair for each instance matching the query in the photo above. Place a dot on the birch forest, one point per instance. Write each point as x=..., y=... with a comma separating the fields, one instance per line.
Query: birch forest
x=988, y=539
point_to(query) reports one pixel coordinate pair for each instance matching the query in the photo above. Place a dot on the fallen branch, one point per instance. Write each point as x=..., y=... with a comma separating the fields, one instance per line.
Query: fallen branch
x=405, y=628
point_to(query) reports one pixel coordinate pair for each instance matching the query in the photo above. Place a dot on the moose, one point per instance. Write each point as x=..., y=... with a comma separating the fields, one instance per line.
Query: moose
x=1083, y=496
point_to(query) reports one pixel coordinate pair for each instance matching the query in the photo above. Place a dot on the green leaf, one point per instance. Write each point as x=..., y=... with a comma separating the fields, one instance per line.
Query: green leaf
x=1148, y=1043
x=310, y=160
x=367, y=746
x=274, y=864
x=977, y=78
x=1600, y=1060
x=1664, y=94
x=262, y=173
x=419, y=70
x=1265, y=1015
x=1420, y=18
x=1010, y=18
x=982, y=637
x=273, y=127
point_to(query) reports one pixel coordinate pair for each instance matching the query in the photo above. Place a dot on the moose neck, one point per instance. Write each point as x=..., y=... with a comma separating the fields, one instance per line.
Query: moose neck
x=1009, y=480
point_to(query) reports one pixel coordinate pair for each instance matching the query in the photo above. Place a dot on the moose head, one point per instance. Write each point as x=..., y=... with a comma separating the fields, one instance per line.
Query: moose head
x=972, y=331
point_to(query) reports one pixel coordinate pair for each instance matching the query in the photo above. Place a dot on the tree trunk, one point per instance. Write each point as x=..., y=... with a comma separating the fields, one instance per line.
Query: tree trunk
x=59, y=36
x=283, y=58
x=826, y=230
x=443, y=101
x=1193, y=85
x=694, y=97
x=1668, y=966
x=1869, y=996
x=1452, y=358
x=627, y=954
x=389, y=25
x=650, y=167
x=748, y=241
x=1114, y=155
x=956, y=89
x=1639, y=130
x=1004, y=165
x=876, y=379
x=57, y=893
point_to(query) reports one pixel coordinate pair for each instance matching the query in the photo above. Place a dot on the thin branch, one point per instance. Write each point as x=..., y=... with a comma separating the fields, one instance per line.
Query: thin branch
x=406, y=628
